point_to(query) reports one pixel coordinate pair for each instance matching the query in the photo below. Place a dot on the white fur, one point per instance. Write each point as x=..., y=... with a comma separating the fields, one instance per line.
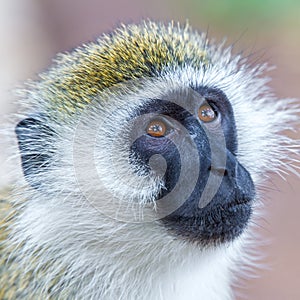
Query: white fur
x=95, y=256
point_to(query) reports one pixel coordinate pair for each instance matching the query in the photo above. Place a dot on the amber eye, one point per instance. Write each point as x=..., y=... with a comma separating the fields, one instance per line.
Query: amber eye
x=206, y=113
x=156, y=128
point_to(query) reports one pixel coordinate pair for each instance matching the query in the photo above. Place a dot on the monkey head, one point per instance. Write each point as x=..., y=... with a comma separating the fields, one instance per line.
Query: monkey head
x=144, y=154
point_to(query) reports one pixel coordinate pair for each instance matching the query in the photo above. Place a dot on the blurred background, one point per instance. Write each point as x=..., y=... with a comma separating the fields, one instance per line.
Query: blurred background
x=32, y=31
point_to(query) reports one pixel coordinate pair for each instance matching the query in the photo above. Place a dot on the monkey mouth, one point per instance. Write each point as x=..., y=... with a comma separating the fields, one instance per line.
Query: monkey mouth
x=212, y=226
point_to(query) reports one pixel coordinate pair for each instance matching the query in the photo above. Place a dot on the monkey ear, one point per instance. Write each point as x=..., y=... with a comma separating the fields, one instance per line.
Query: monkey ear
x=35, y=140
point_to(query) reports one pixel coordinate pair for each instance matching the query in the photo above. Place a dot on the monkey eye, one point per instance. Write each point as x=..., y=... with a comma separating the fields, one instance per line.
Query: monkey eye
x=156, y=128
x=207, y=113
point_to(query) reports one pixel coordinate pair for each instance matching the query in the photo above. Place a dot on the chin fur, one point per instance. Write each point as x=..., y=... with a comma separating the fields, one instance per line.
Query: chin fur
x=147, y=263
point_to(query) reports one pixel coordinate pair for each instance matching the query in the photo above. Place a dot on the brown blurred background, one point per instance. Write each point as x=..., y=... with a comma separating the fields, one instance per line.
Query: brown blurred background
x=32, y=31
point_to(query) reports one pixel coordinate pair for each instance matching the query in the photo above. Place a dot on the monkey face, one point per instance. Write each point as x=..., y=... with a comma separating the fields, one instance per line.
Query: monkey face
x=195, y=133
x=169, y=156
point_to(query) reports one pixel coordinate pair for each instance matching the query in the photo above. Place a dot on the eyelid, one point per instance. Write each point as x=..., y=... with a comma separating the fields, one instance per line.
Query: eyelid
x=216, y=109
x=214, y=105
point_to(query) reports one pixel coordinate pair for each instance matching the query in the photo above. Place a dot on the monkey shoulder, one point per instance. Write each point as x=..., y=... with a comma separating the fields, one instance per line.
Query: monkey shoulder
x=13, y=281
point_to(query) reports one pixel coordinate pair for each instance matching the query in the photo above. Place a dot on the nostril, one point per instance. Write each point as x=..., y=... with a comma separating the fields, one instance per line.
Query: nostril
x=218, y=171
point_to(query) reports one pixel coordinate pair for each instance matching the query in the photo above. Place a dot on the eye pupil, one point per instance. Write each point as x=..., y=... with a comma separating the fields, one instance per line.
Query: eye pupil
x=206, y=113
x=156, y=128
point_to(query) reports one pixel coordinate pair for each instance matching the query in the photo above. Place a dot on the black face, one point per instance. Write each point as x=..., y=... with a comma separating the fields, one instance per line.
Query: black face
x=208, y=122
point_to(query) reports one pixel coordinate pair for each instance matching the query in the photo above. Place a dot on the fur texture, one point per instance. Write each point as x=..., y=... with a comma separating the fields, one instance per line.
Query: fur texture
x=70, y=244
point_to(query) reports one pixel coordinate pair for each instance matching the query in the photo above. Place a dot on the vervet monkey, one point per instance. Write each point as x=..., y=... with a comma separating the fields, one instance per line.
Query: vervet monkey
x=144, y=154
